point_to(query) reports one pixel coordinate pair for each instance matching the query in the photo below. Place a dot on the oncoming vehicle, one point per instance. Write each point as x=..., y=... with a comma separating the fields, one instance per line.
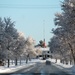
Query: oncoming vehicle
x=48, y=62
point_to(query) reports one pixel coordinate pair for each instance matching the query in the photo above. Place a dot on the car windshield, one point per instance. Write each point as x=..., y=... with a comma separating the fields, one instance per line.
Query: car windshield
x=37, y=37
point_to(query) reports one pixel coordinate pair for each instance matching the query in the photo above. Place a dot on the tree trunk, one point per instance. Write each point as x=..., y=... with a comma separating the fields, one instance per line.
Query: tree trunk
x=56, y=61
x=20, y=61
x=1, y=63
x=63, y=61
x=70, y=61
x=8, y=62
x=16, y=62
x=26, y=60
x=60, y=61
x=72, y=52
x=74, y=60
x=12, y=62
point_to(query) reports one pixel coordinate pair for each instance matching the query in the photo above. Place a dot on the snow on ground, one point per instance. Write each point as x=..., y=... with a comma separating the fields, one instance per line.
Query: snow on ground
x=60, y=64
x=66, y=67
x=13, y=68
x=3, y=69
x=37, y=60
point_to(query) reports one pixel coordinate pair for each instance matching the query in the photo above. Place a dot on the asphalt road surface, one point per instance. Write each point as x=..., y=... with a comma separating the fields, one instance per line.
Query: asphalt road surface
x=42, y=69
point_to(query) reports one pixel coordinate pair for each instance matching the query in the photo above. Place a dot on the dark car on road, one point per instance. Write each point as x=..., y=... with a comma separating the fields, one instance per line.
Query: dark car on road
x=48, y=62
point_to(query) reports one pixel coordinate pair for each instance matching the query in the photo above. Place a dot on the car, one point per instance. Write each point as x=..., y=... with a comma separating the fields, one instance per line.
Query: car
x=48, y=62
x=43, y=58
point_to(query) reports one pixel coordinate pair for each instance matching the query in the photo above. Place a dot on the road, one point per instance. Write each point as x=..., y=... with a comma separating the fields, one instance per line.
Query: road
x=42, y=69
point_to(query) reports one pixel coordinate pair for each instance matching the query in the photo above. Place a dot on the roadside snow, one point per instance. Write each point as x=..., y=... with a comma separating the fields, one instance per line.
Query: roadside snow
x=13, y=68
x=64, y=65
x=36, y=60
x=4, y=69
x=67, y=68
x=60, y=64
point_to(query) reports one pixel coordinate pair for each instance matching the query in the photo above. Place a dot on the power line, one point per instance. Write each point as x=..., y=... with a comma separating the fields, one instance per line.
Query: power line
x=30, y=7
x=27, y=6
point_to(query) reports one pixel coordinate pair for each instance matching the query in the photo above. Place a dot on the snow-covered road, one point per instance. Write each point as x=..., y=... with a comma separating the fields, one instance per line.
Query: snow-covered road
x=12, y=68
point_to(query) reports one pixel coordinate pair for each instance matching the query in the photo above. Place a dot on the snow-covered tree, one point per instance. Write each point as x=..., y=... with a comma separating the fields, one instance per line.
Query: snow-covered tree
x=65, y=23
x=58, y=48
x=30, y=49
x=18, y=47
x=11, y=43
x=38, y=51
x=7, y=34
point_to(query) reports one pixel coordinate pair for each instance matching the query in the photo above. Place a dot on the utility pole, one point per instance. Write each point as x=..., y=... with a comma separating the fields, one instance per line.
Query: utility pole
x=44, y=33
x=44, y=30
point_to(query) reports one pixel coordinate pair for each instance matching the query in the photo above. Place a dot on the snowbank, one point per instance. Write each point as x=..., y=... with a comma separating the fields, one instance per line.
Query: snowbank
x=12, y=68
x=67, y=68
x=64, y=65
x=60, y=64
